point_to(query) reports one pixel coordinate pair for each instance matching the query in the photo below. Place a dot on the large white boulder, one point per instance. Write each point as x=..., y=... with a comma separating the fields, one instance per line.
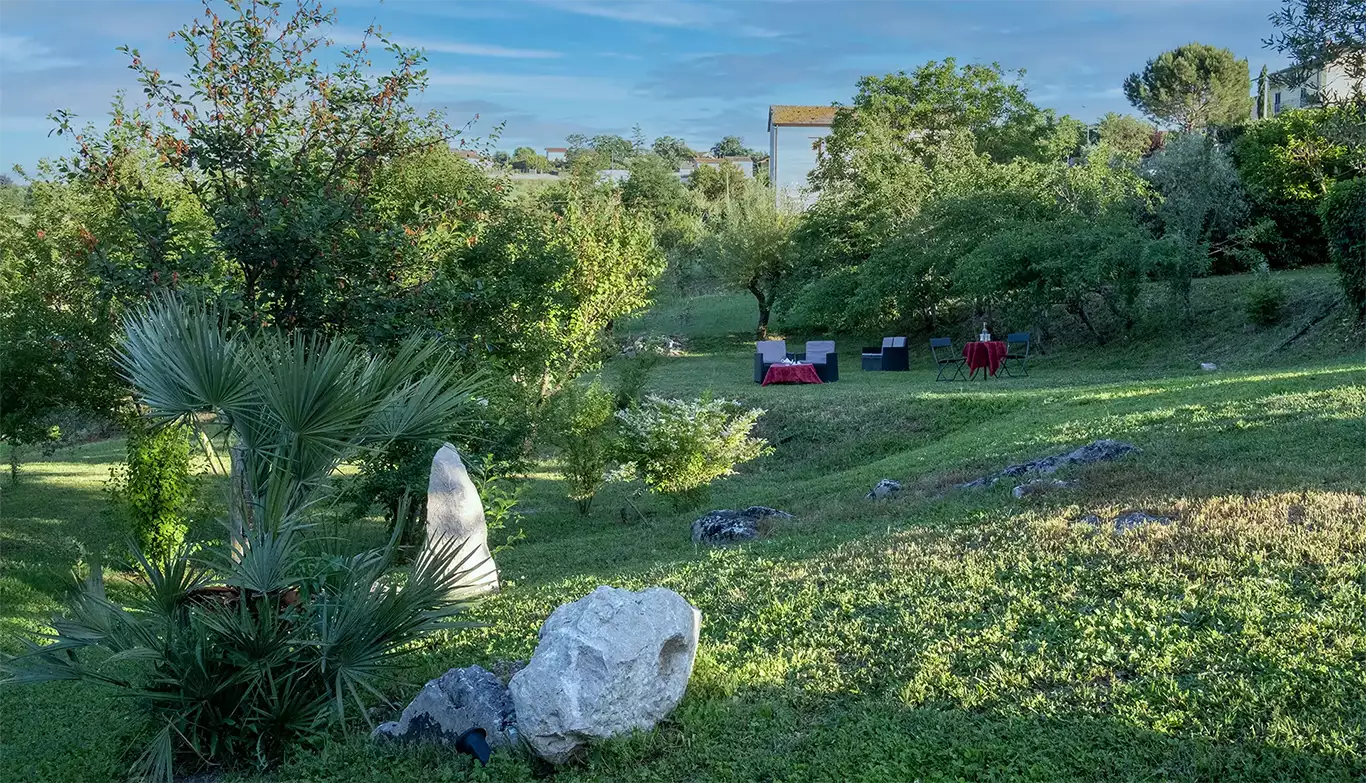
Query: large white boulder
x=606, y=664
x=455, y=513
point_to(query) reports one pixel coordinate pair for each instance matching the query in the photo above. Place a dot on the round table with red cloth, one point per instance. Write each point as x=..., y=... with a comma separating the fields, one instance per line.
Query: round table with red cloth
x=791, y=373
x=984, y=356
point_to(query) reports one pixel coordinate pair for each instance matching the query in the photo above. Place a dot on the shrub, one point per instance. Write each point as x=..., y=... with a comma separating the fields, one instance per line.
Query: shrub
x=154, y=485
x=266, y=659
x=1344, y=221
x=583, y=431
x=501, y=492
x=1265, y=300
x=678, y=448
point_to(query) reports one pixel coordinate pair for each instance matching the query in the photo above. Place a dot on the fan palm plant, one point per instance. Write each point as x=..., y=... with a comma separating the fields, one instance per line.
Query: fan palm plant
x=241, y=653
x=289, y=407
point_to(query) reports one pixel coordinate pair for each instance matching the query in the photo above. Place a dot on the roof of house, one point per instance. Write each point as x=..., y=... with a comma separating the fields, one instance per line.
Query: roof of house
x=468, y=153
x=728, y=158
x=801, y=115
x=556, y=149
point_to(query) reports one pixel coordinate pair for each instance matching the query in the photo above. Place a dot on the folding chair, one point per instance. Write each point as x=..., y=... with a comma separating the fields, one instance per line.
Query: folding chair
x=1016, y=354
x=954, y=359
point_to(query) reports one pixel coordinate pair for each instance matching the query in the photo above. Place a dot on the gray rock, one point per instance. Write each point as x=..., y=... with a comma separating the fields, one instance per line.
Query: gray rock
x=1132, y=519
x=1126, y=521
x=609, y=663
x=884, y=489
x=1208, y=366
x=1093, y=452
x=452, y=704
x=1040, y=485
x=455, y=513
x=727, y=527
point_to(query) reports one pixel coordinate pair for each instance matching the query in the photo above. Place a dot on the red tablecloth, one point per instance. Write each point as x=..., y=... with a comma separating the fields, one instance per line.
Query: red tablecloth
x=986, y=356
x=791, y=373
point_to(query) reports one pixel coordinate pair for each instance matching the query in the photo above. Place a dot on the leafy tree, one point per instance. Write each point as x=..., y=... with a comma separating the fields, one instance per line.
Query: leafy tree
x=733, y=147
x=1344, y=221
x=718, y=183
x=615, y=150
x=281, y=154
x=56, y=330
x=1287, y=164
x=541, y=289
x=1126, y=135
x=655, y=189
x=1191, y=87
x=1204, y=208
x=915, y=112
x=673, y=151
x=527, y=159
x=750, y=248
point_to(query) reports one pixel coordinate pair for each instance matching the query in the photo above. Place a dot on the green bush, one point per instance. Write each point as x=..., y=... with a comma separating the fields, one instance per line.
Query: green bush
x=154, y=485
x=678, y=448
x=1344, y=221
x=1265, y=300
x=582, y=429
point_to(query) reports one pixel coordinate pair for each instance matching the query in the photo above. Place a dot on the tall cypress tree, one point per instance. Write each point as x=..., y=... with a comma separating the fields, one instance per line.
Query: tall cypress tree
x=1263, y=95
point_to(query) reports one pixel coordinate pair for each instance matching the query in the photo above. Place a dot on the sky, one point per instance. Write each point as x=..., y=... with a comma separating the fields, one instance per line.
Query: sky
x=694, y=69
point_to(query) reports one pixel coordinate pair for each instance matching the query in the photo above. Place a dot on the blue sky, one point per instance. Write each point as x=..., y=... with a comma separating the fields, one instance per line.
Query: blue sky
x=688, y=68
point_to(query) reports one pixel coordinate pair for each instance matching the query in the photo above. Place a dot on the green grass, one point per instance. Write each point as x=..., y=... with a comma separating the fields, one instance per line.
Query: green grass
x=945, y=635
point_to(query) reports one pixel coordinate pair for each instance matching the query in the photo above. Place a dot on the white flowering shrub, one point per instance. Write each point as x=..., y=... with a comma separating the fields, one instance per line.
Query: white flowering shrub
x=679, y=448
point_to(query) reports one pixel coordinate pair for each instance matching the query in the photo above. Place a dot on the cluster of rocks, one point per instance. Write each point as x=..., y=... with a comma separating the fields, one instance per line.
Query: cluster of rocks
x=661, y=345
x=610, y=663
x=1093, y=452
x=725, y=526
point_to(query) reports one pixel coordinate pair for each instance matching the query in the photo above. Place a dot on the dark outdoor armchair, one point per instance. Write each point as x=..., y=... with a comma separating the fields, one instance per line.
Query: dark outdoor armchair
x=892, y=356
x=821, y=355
x=766, y=354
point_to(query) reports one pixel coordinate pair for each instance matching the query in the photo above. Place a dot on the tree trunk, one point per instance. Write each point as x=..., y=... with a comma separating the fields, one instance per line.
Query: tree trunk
x=241, y=503
x=765, y=305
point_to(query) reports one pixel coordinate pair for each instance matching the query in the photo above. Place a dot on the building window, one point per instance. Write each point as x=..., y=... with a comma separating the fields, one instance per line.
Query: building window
x=1277, y=109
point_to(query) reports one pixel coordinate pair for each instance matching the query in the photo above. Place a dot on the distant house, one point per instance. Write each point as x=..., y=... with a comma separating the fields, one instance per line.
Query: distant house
x=794, y=132
x=1326, y=84
x=474, y=157
x=743, y=163
x=553, y=154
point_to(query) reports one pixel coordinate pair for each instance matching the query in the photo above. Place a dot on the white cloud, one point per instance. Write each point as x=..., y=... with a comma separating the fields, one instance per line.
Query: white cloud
x=665, y=13
x=352, y=38
x=527, y=84
x=19, y=53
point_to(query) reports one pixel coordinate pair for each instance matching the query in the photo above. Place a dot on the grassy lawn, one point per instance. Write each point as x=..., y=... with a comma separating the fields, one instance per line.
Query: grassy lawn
x=943, y=635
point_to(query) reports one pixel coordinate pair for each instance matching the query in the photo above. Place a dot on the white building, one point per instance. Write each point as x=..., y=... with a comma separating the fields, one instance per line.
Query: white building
x=1325, y=85
x=794, y=133
x=553, y=154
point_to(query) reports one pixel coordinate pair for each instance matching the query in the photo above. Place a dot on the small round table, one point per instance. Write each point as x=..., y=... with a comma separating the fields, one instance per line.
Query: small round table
x=984, y=356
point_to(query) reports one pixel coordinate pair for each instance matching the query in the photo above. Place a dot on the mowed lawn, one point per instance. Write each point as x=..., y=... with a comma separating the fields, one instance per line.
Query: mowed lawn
x=944, y=635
